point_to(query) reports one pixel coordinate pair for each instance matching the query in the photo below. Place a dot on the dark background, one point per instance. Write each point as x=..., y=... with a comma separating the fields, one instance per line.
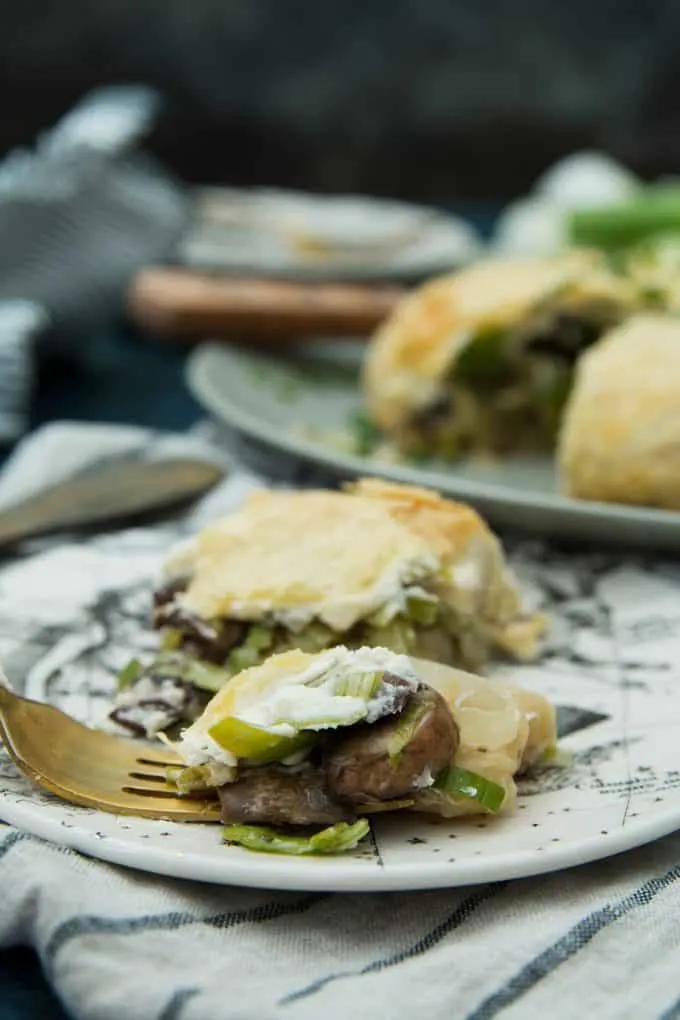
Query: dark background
x=437, y=100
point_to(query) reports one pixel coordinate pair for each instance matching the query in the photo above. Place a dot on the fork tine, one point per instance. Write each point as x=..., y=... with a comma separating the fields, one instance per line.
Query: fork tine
x=133, y=802
x=157, y=778
x=167, y=760
x=93, y=768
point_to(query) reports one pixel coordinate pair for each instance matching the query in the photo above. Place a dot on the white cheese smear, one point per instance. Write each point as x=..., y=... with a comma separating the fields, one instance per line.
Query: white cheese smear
x=307, y=700
x=387, y=595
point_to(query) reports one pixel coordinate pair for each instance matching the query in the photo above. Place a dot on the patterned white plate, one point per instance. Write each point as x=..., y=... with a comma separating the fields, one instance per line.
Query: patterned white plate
x=69, y=615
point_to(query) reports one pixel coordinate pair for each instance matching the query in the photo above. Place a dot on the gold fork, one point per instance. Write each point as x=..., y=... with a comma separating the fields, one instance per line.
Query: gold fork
x=91, y=767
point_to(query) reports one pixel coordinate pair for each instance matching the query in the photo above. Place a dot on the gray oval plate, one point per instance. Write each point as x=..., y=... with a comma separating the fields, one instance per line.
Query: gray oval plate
x=264, y=400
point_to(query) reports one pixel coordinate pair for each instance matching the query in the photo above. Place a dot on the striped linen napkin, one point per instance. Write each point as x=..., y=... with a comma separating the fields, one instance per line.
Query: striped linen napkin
x=601, y=940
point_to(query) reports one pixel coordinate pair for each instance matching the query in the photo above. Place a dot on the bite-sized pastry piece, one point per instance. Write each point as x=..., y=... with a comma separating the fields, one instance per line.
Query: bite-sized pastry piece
x=481, y=360
x=620, y=438
x=323, y=739
x=378, y=564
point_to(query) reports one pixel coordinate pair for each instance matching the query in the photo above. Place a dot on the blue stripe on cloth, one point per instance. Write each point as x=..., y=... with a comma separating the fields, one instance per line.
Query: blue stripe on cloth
x=88, y=924
x=569, y=945
x=10, y=841
x=456, y=918
x=672, y=1013
x=176, y=1003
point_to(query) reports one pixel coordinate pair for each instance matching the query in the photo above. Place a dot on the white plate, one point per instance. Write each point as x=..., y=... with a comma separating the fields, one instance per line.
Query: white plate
x=304, y=236
x=621, y=790
x=71, y=615
x=266, y=401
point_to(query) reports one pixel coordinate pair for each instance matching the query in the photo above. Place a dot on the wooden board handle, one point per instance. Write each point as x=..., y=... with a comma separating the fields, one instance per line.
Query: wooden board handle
x=177, y=303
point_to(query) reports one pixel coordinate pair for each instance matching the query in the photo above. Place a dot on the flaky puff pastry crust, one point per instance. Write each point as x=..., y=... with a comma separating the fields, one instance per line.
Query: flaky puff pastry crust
x=418, y=343
x=477, y=578
x=339, y=556
x=297, y=551
x=620, y=436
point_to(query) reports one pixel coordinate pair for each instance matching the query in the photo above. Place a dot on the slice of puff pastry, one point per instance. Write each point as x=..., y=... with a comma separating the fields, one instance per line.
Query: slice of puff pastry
x=620, y=437
x=339, y=557
x=411, y=354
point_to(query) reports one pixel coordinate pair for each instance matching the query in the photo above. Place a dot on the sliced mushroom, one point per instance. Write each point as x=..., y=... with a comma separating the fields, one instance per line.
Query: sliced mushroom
x=395, y=756
x=274, y=797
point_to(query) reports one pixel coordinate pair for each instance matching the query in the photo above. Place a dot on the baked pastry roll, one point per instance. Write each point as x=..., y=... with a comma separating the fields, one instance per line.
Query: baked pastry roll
x=481, y=360
x=620, y=438
x=376, y=565
x=320, y=739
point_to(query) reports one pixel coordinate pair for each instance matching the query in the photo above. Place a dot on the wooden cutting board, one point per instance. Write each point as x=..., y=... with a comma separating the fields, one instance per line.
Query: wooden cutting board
x=184, y=305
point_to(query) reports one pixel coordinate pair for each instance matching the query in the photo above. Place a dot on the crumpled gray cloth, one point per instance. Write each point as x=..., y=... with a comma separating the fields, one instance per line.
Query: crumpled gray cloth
x=80, y=213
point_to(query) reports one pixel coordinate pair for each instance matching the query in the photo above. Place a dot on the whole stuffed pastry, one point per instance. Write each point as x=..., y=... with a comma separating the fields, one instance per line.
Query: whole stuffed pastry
x=481, y=360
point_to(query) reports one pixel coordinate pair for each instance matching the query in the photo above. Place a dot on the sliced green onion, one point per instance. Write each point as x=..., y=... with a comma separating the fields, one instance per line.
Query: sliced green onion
x=261, y=838
x=258, y=638
x=206, y=676
x=129, y=673
x=457, y=782
x=244, y=658
x=406, y=727
x=315, y=637
x=169, y=663
x=189, y=779
x=359, y=685
x=557, y=756
x=366, y=435
x=399, y=636
x=171, y=640
x=483, y=359
x=423, y=609
x=253, y=650
x=656, y=210
x=381, y=806
x=244, y=740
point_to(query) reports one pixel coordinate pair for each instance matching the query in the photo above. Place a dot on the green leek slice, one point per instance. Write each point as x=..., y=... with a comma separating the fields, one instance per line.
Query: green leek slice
x=129, y=673
x=261, y=838
x=483, y=359
x=399, y=636
x=405, y=729
x=359, y=685
x=244, y=740
x=458, y=782
x=423, y=609
x=244, y=658
x=253, y=650
x=188, y=779
x=206, y=676
x=258, y=638
x=315, y=637
x=556, y=756
x=171, y=640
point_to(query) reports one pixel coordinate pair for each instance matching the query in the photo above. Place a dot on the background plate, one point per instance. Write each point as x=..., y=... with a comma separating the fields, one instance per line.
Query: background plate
x=267, y=402
x=312, y=237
